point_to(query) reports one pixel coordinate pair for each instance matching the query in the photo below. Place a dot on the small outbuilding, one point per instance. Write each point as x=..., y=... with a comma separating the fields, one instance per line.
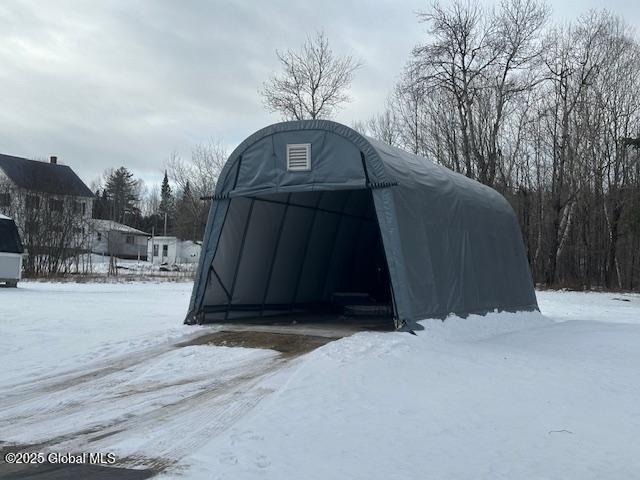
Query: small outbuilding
x=172, y=250
x=311, y=216
x=112, y=238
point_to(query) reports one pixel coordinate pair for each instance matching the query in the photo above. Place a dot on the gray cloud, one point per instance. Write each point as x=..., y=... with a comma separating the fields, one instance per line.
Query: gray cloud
x=103, y=84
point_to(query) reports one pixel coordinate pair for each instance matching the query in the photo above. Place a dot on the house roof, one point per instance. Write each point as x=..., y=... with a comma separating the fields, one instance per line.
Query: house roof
x=43, y=177
x=113, y=226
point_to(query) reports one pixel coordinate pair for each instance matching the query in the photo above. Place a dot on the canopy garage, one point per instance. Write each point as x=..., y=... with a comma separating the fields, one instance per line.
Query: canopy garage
x=311, y=216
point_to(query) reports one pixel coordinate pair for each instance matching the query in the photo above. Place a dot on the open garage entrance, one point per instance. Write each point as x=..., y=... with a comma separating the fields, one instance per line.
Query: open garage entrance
x=317, y=255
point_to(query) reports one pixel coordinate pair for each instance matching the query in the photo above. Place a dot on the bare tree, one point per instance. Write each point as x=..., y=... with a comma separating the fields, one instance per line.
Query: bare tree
x=383, y=127
x=53, y=231
x=549, y=116
x=150, y=204
x=196, y=178
x=482, y=61
x=573, y=58
x=409, y=102
x=313, y=82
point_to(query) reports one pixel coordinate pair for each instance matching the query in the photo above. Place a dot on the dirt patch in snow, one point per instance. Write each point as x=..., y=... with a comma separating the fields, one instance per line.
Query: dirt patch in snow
x=288, y=344
x=225, y=397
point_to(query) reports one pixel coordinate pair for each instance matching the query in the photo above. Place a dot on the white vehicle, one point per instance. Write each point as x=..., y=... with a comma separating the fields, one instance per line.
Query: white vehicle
x=10, y=252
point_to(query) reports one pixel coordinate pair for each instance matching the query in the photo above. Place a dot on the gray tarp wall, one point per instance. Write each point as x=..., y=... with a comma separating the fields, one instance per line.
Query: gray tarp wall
x=294, y=250
x=451, y=244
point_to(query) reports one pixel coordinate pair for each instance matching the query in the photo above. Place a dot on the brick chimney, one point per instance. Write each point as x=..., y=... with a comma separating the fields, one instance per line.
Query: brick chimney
x=53, y=159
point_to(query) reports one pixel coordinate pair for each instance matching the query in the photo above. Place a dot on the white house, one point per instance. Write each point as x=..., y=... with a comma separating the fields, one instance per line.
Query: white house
x=48, y=201
x=172, y=250
x=117, y=239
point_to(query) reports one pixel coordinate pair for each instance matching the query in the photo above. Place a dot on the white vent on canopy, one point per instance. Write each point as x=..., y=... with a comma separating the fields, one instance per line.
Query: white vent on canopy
x=298, y=157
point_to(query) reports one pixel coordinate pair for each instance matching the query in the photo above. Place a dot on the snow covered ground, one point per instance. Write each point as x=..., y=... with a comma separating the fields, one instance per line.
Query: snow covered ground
x=48, y=328
x=96, y=367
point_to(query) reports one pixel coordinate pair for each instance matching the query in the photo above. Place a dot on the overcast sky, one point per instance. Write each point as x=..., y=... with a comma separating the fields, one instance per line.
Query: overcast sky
x=109, y=83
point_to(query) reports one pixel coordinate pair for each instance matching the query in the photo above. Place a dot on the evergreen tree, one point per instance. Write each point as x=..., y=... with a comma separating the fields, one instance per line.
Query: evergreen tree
x=99, y=206
x=185, y=219
x=167, y=203
x=121, y=190
x=186, y=193
x=102, y=205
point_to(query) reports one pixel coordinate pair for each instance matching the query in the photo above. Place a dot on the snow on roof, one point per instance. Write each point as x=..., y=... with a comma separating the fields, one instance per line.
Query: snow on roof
x=110, y=225
x=4, y=217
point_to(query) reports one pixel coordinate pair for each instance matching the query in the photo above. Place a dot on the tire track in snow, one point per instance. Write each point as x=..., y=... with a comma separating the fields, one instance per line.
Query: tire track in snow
x=110, y=409
x=18, y=392
x=110, y=401
x=194, y=421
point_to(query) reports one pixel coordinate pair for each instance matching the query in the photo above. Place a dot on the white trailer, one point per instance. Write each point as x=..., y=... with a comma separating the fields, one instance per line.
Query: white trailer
x=10, y=252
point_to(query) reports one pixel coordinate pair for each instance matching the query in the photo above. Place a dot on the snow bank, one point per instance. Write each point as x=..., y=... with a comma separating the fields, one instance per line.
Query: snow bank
x=504, y=396
x=477, y=327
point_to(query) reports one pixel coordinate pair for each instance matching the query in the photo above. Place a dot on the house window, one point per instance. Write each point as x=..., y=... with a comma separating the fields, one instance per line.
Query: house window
x=165, y=250
x=5, y=199
x=130, y=239
x=80, y=207
x=99, y=236
x=55, y=205
x=32, y=202
x=155, y=250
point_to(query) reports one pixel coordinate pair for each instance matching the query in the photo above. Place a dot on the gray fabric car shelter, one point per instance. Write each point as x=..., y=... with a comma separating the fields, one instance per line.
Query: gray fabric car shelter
x=361, y=220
